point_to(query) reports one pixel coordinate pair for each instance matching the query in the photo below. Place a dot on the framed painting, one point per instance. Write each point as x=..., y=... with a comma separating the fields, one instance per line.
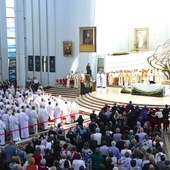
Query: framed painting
x=87, y=39
x=30, y=63
x=52, y=63
x=141, y=38
x=67, y=48
x=37, y=63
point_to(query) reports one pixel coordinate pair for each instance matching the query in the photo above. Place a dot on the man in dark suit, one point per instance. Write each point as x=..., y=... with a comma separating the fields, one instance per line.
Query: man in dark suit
x=93, y=115
x=107, y=138
x=165, y=112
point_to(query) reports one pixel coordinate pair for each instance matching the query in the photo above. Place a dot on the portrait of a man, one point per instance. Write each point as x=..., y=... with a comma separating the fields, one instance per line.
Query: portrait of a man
x=88, y=37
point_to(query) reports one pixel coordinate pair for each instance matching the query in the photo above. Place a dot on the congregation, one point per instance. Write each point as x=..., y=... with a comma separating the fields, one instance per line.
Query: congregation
x=119, y=137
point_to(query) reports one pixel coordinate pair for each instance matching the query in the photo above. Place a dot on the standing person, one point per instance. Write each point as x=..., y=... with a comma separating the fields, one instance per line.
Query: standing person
x=98, y=79
x=10, y=151
x=24, y=122
x=34, y=119
x=75, y=110
x=77, y=163
x=66, y=113
x=87, y=155
x=5, y=119
x=45, y=117
x=50, y=111
x=2, y=132
x=151, y=78
x=103, y=80
x=14, y=126
x=165, y=112
x=88, y=69
x=57, y=112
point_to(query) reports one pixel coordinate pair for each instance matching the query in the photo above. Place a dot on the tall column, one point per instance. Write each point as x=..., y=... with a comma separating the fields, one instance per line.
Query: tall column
x=20, y=43
x=4, y=71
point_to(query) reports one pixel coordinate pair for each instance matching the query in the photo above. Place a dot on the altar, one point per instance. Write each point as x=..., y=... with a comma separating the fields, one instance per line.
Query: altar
x=150, y=89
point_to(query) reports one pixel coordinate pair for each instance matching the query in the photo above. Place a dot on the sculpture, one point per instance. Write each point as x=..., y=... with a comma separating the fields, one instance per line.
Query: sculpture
x=161, y=58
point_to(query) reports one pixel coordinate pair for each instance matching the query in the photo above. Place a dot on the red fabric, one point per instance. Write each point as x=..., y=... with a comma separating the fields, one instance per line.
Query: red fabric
x=31, y=167
x=37, y=158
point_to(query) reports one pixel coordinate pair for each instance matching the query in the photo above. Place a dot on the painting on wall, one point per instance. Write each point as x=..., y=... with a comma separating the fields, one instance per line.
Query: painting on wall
x=87, y=39
x=52, y=63
x=30, y=63
x=141, y=38
x=67, y=48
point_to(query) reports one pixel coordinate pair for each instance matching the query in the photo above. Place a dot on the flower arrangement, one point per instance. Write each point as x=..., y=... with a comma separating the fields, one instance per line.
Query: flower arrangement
x=125, y=90
x=157, y=93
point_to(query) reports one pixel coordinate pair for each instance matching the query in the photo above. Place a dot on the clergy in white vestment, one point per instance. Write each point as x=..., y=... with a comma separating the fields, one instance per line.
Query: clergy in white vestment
x=14, y=126
x=75, y=110
x=24, y=124
x=5, y=119
x=43, y=117
x=2, y=132
x=34, y=119
x=57, y=112
x=110, y=78
x=66, y=113
x=98, y=80
x=50, y=111
x=68, y=80
x=103, y=79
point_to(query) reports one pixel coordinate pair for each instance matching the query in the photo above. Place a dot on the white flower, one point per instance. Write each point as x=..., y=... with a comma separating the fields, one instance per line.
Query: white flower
x=159, y=114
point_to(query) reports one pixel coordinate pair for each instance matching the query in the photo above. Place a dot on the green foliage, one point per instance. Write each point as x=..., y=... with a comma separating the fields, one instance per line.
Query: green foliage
x=124, y=90
x=119, y=53
x=166, y=71
x=157, y=93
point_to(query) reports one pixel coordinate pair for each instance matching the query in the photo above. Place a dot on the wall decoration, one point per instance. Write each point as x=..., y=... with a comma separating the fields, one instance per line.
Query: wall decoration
x=87, y=39
x=67, y=48
x=37, y=63
x=141, y=38
x=52, y=63
x=30, y=63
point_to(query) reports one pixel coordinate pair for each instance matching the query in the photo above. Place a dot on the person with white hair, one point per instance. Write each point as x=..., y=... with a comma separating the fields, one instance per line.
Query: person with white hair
x=2, y=132
x=114, y=149
x=126, y=149
x=141, y=134
x=98, y=137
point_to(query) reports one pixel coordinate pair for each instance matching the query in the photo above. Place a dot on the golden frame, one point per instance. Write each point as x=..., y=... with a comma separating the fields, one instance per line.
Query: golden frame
x=67, y=48
x=87, y=39
x=141, y=39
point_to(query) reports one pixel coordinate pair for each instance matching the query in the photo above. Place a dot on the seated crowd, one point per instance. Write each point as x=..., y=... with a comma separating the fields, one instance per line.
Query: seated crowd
x=123, y=138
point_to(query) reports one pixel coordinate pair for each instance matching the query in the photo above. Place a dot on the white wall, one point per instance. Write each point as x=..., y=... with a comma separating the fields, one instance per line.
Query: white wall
x=49, y=23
